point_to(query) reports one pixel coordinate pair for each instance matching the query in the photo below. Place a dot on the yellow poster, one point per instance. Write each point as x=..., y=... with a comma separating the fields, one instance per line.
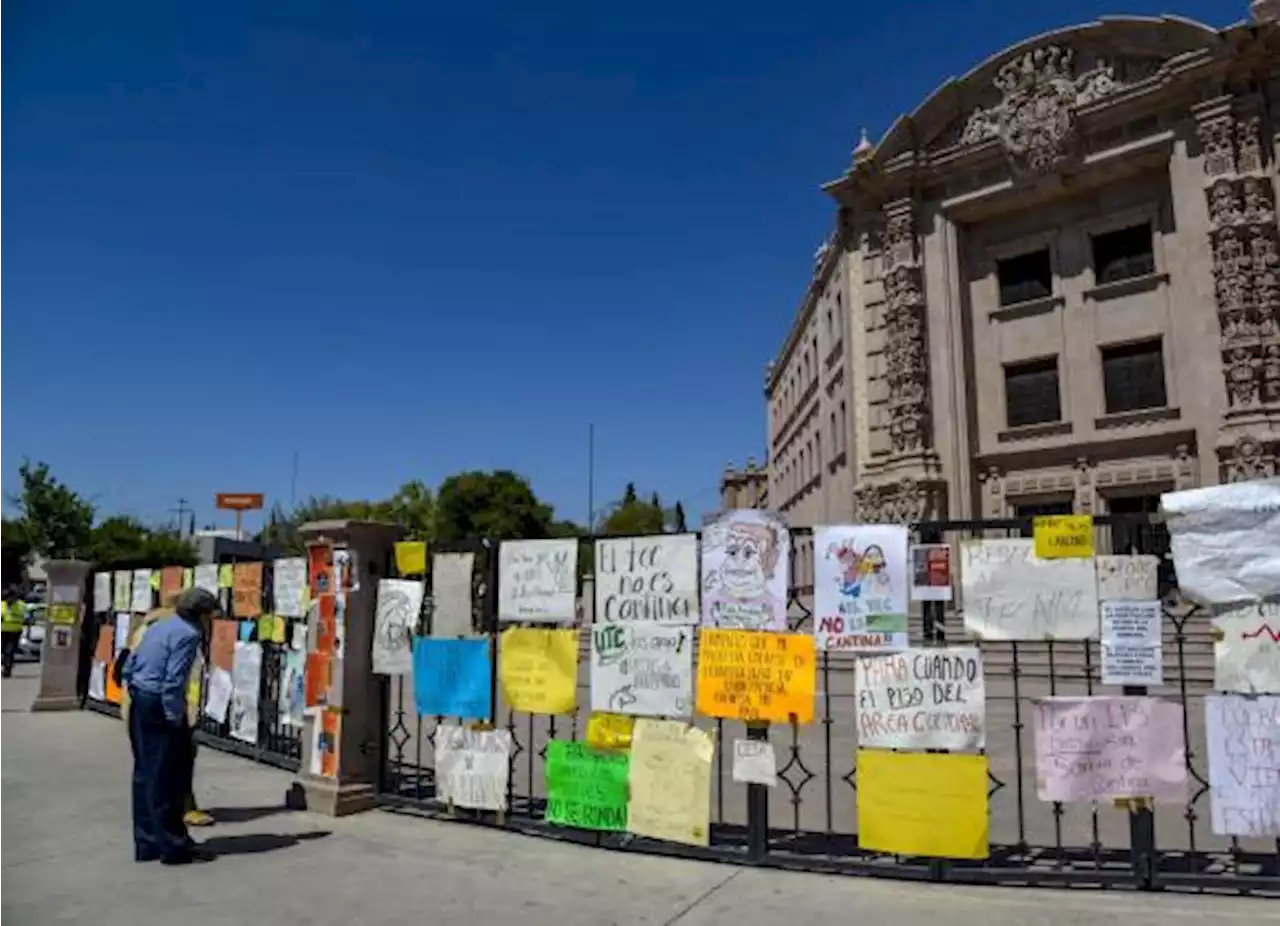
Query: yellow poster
x=671, y=782
x=188, y=578
x=265, y=624
x=155, y=580
x=411, y=558
x=916, y=803
x=610, y=731
x=756, y=675
x=279, y=628
x=226, y=576
x=63, y=613
x=1064, y=536
x=538, y=670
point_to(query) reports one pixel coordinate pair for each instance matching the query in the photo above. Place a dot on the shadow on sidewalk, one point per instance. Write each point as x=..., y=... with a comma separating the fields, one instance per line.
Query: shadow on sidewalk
x=243, y=814
x=251, y=843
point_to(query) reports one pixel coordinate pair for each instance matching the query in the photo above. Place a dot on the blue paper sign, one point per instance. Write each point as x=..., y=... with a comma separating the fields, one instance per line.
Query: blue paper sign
x=246, y=631
x=452, y=678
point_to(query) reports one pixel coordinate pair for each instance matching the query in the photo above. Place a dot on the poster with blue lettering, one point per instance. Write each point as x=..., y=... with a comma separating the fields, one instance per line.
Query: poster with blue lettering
x=452, y=678
x=861, y=587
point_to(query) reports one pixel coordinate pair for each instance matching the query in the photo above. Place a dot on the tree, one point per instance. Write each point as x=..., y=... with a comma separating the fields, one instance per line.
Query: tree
x=630, y=516
x=125, y=543
x=413, y=507
x=16, y=551
x=629, y=494
x=499, y=504
x=55, y=520
x=677, y=519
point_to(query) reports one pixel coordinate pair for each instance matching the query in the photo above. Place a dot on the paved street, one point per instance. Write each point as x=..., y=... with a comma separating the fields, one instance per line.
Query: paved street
x=67, y=859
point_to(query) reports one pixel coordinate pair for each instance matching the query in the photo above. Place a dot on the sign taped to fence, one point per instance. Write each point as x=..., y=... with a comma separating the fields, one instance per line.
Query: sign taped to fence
x=170, y=583
x=246, y=676
x=395, y=622
x=1106, y=748
x=291, y=699
x=1127, y=578
x=411, y=558
x=104, y=650
x=647, y=579
x=1131, y=643
x=206, y=577
x=1012, y=594
x=1063, y=536
x=912, y=803
x=98, y=681
x=473, y=767
x=140, y=599
x=246, y=593
x=754, y=763
x=746, y=560
x=922, y=699
x=101, y=591
x=1243, y=736
x=123, y=590
x=451, y=594
x=861, y=586
x=537, y=581
x=931, y=572
x=289, y=586
x=453, y=678
x=642, y=669
x=610, y=731
x=217, y=694
x=586, y=788
x=538, y=670
x=747, y=675
x=671, y=782
x=1246, y=655
x=124, y=620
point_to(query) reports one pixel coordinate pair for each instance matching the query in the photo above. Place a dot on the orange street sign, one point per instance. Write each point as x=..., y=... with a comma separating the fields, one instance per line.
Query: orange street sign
x=239, y=501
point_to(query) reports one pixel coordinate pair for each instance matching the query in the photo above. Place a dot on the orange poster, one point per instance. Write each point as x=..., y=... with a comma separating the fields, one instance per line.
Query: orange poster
x=222, y=643
x=326, y=624
x=170, y=583
x=317, y=679
x=104, y=651
x=327, y=742
x=754, y=675
x=320, y=561
x=114, y=691
x=247, y=589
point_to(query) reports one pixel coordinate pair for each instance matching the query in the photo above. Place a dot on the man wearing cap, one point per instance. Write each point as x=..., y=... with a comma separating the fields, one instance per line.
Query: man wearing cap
x=156, y=675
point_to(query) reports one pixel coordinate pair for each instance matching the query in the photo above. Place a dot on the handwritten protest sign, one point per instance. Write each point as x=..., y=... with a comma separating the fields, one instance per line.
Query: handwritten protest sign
x=923, y=804
x=931, y=572
x=206, y=577
x=102, y=591
x=288, y=586
x=1101, y=748
x=395, y=621
x=746, y=558
x=1127, y=578
x=642, y=669
x=586, y=788
x=1131, y=650
x=647, y=579
x=537, y=581
x=246, y=676
x=1243, y=736
x=671, y=782
x=140, y=600
x=1246, y=656
x=170, y=583
x=452, y=678
x=246, y=589
x=754, y=763
x=291, y=699
x=538, y=670
x=922, y=699
x=1063, y=536
x=411, y=557
x=1223, y=540
x=451, y=594
x=1012, y=594
x=123, y=590
x=610, y=731
x=473, y=767
x=861, y=587
x=218, y=693
x=747, y=675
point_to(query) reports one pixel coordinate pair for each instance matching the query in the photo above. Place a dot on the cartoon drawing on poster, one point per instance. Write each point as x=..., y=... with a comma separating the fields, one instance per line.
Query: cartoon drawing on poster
x=246, y=676
x=288, y=586
x=647, y=579
x=537, y=581
x=1246, y=651
x=670, y=786
x=140, y=599
x=922, y=699
x=931, y=572
x=394, y=624
x=860, y=587
x=291, y=700
x=123, y=590
x=1131, y=643
x=217, y=695
x=754, y=763
x=1243, y=736
x=1127, y=578
x=644, y=669
x=1012, y=594
x=206, y=577
x=101, y=591
x=451, y=575
x=473, y=767
x=746, y=557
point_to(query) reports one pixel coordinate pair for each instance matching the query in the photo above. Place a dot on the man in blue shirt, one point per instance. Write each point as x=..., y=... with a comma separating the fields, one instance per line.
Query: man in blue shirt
x=156, y=674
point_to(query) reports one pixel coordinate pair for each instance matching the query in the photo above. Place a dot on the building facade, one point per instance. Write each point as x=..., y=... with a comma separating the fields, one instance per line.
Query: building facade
x=1054, y=286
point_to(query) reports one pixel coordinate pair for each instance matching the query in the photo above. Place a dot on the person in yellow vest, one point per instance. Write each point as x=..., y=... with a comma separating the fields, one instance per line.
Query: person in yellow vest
x=13, y=614
x=193, y=815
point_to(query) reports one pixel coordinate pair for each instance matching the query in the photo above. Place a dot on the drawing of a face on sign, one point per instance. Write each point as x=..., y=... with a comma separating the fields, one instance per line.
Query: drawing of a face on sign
x=860, y=572
x=744, y=572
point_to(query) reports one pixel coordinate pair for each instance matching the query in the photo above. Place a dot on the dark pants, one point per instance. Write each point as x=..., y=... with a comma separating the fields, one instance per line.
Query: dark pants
x=9, y=641
x=162, y=768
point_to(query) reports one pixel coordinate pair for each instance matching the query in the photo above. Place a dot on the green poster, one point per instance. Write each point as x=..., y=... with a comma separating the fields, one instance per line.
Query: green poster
x=586, y=788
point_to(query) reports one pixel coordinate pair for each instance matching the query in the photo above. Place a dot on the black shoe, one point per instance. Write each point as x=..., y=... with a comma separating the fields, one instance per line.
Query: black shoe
x=188, y=856
x=145, y=856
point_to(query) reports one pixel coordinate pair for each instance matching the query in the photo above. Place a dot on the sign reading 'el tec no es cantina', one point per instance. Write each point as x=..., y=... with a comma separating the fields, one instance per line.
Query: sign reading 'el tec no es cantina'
x=647, y=579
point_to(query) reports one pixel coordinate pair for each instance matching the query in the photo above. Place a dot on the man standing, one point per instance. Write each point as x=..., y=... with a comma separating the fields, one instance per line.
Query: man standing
x=156, y=674
x=13, y=614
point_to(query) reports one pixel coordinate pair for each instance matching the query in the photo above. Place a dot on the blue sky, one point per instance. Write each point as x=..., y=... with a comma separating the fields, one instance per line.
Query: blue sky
x=405, y=239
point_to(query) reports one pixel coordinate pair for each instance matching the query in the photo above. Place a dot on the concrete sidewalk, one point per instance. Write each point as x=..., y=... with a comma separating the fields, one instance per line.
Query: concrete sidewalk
x=67, y=858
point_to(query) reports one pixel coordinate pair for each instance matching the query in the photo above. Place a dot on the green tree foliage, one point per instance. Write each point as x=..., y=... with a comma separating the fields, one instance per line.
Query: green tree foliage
x=413, y=507
x=16, y=550
x=632, y=516
x=498, y=504
x=125, y=543
x=55, y=520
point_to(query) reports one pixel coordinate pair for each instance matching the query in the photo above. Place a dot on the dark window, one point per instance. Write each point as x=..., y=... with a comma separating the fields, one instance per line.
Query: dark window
x=1133, y=531
x=1122, y=254
x=1133, y=377
x=1041, y=509
x=1025, y=277
x=1031, y=393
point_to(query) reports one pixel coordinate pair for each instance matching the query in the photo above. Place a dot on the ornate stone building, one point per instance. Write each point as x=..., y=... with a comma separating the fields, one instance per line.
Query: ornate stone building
x=1054, y=286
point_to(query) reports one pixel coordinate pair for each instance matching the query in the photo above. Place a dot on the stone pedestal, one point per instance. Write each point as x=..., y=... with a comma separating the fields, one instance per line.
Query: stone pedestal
x=67, y=596
x=340, y=748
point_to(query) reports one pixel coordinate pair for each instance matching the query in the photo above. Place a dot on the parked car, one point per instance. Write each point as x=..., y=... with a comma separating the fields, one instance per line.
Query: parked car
x=32, y=640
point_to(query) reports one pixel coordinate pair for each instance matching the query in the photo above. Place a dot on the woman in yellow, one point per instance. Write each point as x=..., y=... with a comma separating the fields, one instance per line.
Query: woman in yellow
x=194, y=816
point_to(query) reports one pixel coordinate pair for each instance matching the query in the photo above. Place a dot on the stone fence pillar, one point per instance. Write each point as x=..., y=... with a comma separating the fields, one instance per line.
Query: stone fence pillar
x=65, y=606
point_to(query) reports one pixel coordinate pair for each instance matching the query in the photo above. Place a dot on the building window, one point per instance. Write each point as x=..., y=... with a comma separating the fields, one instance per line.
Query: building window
x=1025, y=277
x=1041, y=509
x=1031, y=393
x=1133, y=377
x=1123, y=254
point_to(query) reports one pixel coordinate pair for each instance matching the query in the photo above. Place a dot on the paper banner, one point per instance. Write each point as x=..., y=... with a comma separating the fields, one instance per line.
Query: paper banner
x=291, y=698
x=1127, y=578
x=860, y=587
x=206, y=577
x=123, y=590
x=647, y=579
x=451, y=594
x=411, y=558
x=289, y=586
x=246, y=592
x=1243, y=736
x=101, y=591
x=922, y=699
x=395, y=623
x=931, y=572
x=754, y=763
x=642, y=669
x=1246, y=657
x=923, y=804
x=538, y=670
x=222, y=643
x=1131, y=643
x=1063, y=536
x=170, y=584
x=453, y=678
x=744, y=675
x=670, y=794
x=140, y=599
x=217, y=698
x=746, y=555
x=1012, y=594
x=246, y=677
x=586, y=788
x=1223, y=540
x=538, y=581
x=473, y=767
x=610, y=731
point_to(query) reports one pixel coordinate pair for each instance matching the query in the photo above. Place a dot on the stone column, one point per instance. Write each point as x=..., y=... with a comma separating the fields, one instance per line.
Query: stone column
x=341, y=740
x=65, y=599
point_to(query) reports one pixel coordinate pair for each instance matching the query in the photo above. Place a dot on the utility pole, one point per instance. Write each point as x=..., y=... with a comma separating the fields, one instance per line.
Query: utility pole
x=181, y=513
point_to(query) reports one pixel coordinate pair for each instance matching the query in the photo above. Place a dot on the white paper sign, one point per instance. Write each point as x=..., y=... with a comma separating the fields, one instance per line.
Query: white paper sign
x=651, y=579
x=1131, y=643
x=1224, y=540
x=922, y=699
x=537, y=581
x=473, y=767
x=298, y=637
x=246, y=675
x=123, y=622
x=206, y=577
x=394, y=623
x=451, y=594
x=98, y=681
x=754, y=763
x=861, y=587
x=288, y=586
x=291, y=699
x=1247, y=657
x=123, y=595
x=217, y=694
x=101, y=591
x=746, y=558
x=1243, y=736
x=1012, y=594
x=141, y=599
x=1127, y=578
x=65, y=594
x=644, y=669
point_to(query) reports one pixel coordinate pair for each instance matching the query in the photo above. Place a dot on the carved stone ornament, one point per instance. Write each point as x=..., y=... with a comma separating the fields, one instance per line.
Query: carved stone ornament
x=1248, y=459
x=904, y=501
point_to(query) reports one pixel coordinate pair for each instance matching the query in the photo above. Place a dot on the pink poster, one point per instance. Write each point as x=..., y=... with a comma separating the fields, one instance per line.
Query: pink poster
x=1098, y=749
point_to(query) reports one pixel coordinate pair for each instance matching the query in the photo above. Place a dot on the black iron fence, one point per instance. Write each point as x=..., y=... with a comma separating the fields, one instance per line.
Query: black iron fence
x=810, y=822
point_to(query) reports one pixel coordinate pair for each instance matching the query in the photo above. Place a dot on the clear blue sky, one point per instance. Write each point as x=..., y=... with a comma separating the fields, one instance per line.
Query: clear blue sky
x=405, y=239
